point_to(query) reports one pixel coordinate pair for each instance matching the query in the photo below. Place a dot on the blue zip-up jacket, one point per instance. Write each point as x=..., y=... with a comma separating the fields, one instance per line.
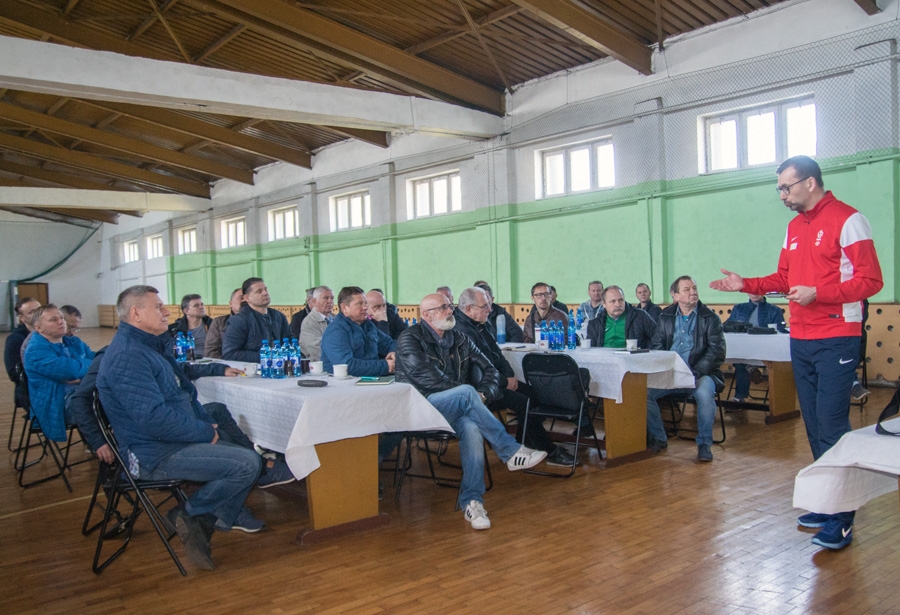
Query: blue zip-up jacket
x=359, y=346
x=48, y=367
x=148, y=397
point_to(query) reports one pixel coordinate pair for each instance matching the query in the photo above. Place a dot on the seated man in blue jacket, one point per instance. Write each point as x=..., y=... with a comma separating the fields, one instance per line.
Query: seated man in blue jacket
x=253, y=324
x=759, y=314
x=355, y=341
x=163, y=431
x=54, y=363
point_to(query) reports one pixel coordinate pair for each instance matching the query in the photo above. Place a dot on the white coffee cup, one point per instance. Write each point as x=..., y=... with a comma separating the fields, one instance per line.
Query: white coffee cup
x=587, y=343
x=316, y=367
x=340, y=371
x=250, y=370
x=630, y=344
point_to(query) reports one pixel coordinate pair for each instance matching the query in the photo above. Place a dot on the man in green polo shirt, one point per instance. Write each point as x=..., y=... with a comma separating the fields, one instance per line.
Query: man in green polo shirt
x=619, y=321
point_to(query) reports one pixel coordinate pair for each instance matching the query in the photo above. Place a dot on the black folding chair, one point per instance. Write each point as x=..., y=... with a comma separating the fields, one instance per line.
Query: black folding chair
x=558, y=393
x=20, y=391
x=118, y=484
x=678, y=403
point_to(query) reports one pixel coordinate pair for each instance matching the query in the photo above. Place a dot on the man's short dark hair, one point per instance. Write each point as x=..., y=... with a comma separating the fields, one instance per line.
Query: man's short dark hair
x=245, y=287
x=485, y=287
x=805, y=167
x=595, y=282
x=22, y=301
x=539, y=284
x=347, y=293
x=674, y=287
x=186, y=301
x=36, y=317
x=129, y=297
x=642, y=284
x=608, y=288
x=70, y=310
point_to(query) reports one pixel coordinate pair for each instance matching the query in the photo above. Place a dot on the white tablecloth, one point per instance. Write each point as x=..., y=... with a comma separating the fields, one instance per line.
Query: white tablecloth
x=746, y=347
x=861, y=466
x=279, y=415
x=664, y=369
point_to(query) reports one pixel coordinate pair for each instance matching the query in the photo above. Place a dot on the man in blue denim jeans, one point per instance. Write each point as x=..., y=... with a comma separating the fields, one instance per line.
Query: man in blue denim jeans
x=443, y=365
x=695, y=332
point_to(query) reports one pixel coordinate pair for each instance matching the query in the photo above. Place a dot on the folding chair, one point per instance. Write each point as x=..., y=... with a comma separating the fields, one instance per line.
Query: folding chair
x=677, y=404
x=18, y=408
x=118, y=484
x=559, y=393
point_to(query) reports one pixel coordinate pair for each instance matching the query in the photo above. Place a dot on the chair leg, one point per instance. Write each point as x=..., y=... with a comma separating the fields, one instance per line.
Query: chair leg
x=21, y=463
x=12, y=427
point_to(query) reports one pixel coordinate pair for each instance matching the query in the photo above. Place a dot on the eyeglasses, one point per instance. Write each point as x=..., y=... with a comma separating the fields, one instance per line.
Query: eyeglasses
x=484, y=307
x=787, y=189
x=540, y=295
x=443, y=308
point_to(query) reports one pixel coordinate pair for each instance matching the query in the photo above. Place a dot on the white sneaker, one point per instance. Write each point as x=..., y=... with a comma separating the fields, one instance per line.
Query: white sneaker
x=477, y=516
x=525, y=458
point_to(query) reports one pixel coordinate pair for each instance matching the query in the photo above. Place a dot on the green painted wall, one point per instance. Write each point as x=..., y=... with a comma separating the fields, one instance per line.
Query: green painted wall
x=650, y=233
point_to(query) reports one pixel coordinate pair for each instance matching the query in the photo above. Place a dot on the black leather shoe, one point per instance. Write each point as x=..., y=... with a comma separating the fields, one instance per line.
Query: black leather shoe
x=195, y=533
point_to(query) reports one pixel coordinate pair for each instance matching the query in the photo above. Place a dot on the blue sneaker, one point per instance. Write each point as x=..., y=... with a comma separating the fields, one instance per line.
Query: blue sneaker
x=244, y=522
x=278, y=474
x=835, y=535
x=813, y=520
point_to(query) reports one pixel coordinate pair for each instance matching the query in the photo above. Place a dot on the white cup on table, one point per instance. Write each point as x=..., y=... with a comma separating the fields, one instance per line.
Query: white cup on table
x=316, y=367
x=340, y=371
x=250, y=370
x=630, y=344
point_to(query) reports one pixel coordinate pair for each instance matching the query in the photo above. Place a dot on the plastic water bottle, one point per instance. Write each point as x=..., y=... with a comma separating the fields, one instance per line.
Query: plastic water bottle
x=572, y=337
x=501, y=329
x=180, y=355
x=277, y=361
x=190, y=346
x=559, y=336
x=415, y=322
x=293, y=359
x=579, y=318
x=543, y=338
x=265, y=360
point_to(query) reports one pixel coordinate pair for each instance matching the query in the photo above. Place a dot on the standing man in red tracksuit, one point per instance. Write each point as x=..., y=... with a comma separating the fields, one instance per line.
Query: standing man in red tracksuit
x=827, y=267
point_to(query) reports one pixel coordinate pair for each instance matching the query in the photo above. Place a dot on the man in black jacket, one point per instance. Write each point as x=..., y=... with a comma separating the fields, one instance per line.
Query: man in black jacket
x=12, y=352
x=513, y=330
x=619, y=321
x=253, y=324
x=695, y=332
x=471, y=319
x=440, y=364
x=386, y=319
x=642, y=292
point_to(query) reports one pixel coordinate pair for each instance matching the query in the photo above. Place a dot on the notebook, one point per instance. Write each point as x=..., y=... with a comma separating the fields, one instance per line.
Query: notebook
x=365, y=380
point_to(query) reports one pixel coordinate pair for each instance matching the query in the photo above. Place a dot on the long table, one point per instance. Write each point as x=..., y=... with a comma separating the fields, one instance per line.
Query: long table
x=773, y=351
x=860, y=467
x=328, y=436
x=622, y=380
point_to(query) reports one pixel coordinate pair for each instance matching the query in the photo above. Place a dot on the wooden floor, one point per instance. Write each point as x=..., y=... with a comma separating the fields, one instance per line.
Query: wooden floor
x=662, y=536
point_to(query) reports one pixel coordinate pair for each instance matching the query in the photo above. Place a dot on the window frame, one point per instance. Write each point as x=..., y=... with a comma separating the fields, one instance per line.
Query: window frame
x=592, y=146
x=334, y=212
x=131, y=251
x=274, y=214
x=182, y=234
x=453, y=199
x=153, y=242
x=225, y=230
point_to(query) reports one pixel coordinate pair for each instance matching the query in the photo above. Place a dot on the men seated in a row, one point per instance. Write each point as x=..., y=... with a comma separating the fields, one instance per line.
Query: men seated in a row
x=354, y=340
x=594, y=305
x=471, y=319
x=213, y=346
x=12, y=357
x=759, y=313
x=438, y=362
x=73, y=318
x=314, y=324
x=542, y=311
x=619, y=321
x=513, y=330
x=642, y=292
x=384, y=314
x=54, y=364
x=165, y=433
x=253, y=324
x=297, y=318
x=193, y=320
x=695, y=332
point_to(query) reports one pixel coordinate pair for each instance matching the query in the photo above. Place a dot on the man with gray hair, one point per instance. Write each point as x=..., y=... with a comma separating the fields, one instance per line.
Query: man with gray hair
x=445, y=290
x=387, y=320
x=513, y=330
x=298, y=317
x=314, y=324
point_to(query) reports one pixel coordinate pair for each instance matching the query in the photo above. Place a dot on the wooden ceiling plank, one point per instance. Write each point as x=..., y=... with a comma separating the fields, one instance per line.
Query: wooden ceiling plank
x=125, y=144
x=373, y=137
x=346, y=45
x=486, y=20
x=487, y=50
x=59, y=104
x=98, y=215
x=587, y=26
x=70, y=6
x=103, y=166
x=659, y=25
x=54, y=177
x=204, y=130
x=172, y=35
x=218, y=44
x=868, y=6
x=15, y=182
x=150, y=20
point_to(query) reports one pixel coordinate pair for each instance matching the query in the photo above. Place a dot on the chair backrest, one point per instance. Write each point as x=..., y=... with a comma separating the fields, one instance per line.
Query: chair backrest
x=555, y=381
x=105, y=427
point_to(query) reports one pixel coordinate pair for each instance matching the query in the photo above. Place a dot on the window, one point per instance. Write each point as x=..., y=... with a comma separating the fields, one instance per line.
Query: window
x=350, y=211
x=283, y=223
x=433, y=196
x=233, y=233
x=154, y=247
x=131, y=253
x=578, y=168
x=187, y=240
x=762, y=135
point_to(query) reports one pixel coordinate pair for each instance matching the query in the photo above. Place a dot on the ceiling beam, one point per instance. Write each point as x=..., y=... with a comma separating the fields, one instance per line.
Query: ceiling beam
x=13, y=182
x=41, y=214
x=103, y=166
x=372, y=137
x=210, y=132
x=98, y=199
x=123, y=144
x=99, y=75
x=98, y=215
x=307, y=29
x=868, y=6
x=587, y=26
x=219, y=43
x=53, y=177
